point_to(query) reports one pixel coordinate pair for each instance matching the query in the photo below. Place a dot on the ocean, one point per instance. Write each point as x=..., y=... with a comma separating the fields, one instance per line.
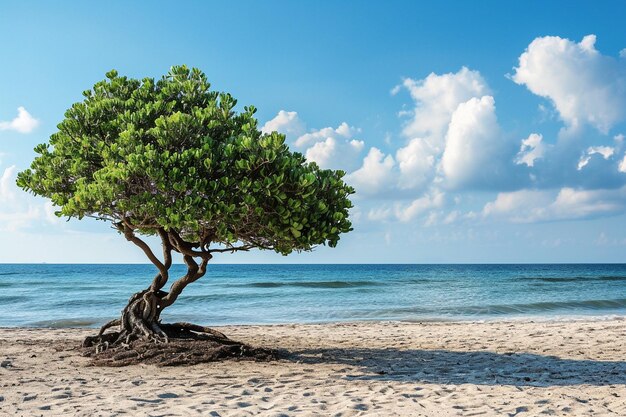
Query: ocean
x=44, y=295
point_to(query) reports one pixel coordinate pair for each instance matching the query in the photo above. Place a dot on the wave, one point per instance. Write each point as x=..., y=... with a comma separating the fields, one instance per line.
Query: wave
x=576, y=278
x=197, y=298
x=548, y=306
x=90, y=302
x=7, y=299
x=509, y=309
x=311, y=284
x=65, y=323
x=10, y=273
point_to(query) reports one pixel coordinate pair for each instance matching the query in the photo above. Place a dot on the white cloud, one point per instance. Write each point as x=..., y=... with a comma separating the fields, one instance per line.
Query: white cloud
x=379, y=214
x=532, y=148
x=19, y=210
x=585, y=86
x=475, y=154
x=22, y=123
x=333, y=154
x=451, y=217
x=374, y=175
x=49, y=211
x=7, y=192
x=605, y=151
x=14, y=214
x=342, y=131
x=13, y=221
x=573, y=204
x=419, y=206
x=436, y=98
x=454, y=144
x=622, y=165
x=285, y=122
x=518, y=206
x=332, y=148
x=453, y=136
x=416, y=162
x=526, y=206
x=322, y=152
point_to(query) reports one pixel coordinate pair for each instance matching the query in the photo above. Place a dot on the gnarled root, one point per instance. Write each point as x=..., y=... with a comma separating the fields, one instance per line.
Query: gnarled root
x=139, y=320
x=142, y=338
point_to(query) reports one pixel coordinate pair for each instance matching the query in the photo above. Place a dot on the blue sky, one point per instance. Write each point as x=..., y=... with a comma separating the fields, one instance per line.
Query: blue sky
x=472, y=131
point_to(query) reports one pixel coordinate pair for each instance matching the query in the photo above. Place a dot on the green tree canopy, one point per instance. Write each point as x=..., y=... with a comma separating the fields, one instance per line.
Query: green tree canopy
x=172, y=156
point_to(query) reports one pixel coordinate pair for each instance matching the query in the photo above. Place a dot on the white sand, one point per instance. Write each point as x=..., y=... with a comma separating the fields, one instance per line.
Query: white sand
x=364, y=369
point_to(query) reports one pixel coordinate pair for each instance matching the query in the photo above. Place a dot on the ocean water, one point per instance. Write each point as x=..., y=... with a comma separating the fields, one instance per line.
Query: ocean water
x=89, y=295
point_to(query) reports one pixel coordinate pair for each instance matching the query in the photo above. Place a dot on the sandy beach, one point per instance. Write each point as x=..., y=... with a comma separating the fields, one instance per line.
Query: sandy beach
x=355, y=369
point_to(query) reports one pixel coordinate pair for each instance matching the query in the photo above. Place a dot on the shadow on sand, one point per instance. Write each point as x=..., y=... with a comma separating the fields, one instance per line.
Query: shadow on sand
x=450, y=367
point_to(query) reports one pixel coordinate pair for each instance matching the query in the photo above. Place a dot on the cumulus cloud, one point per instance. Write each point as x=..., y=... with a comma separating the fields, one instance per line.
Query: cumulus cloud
x=454, y=144
x=374, y=175
x=343, y=130
x=453, y=136
x=605, y=151
x=22, y=123
x=476, y=153
x=532, y=148
x=286, y=122
x=525, y=206
x=447, y=107
x=334, y=154
x=437, y=97
x=416, y=162
x=419, y=206
x=335, y=148
x=584, y=86
x=518, y=206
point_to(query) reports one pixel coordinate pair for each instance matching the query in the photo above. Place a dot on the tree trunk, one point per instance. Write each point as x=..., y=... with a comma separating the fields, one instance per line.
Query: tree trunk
x=140, y=320
x=140, y=335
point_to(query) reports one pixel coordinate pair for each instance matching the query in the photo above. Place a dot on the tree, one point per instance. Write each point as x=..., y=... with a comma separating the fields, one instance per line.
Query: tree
x=172, y=158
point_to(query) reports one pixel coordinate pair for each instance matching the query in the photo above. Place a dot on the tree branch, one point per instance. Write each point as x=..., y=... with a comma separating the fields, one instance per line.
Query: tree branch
x=231, y=249
x=161, y=279
x=184, y=247
x=129, y=234
x=194, y=272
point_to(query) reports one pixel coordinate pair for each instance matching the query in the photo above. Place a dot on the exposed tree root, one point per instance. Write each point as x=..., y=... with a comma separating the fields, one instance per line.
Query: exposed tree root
x=142, y=338
x=177, y=352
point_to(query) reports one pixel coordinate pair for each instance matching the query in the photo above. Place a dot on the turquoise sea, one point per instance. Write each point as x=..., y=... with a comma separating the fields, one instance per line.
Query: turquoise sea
x=88, y=295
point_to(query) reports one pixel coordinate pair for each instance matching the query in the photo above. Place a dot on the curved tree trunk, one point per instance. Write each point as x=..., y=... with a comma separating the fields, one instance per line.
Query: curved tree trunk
x=142, y=338
x=140, y=319
x=139, y=336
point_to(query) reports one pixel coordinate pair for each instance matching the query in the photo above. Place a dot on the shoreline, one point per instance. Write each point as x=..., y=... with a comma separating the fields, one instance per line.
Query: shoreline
x=511, y=319
x=344, y=369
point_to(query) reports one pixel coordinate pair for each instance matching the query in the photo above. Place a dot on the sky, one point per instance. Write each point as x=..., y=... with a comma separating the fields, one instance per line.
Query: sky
x=473, y=132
